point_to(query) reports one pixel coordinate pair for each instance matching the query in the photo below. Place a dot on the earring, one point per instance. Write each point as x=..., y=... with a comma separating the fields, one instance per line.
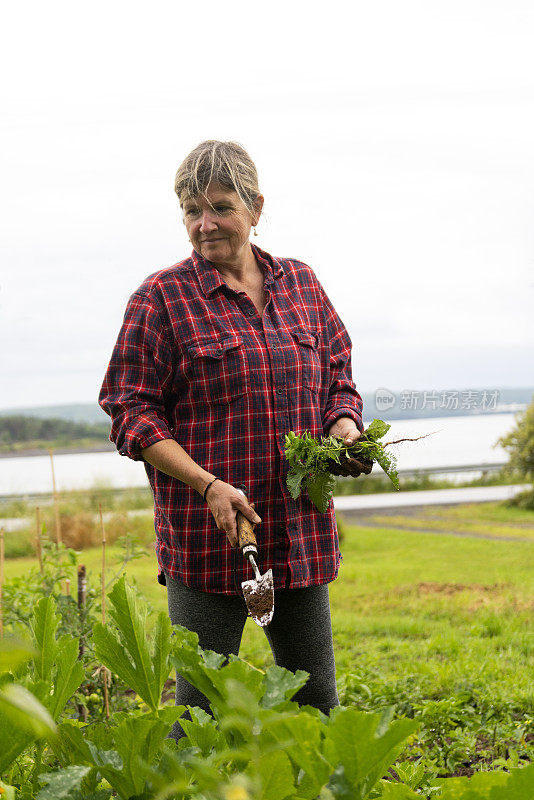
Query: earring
x=255, y=232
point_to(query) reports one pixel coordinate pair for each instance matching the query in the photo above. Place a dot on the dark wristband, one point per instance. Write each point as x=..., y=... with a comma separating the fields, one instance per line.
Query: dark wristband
x=208, y=486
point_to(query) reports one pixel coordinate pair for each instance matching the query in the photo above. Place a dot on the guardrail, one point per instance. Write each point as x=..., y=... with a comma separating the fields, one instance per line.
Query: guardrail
x=483, y=468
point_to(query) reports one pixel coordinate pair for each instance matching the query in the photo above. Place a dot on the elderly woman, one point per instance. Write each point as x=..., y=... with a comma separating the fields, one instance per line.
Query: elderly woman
x=220, y=356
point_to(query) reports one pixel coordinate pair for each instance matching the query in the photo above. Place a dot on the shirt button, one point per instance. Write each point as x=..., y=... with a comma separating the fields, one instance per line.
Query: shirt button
x=250, y=312
x=280, y=391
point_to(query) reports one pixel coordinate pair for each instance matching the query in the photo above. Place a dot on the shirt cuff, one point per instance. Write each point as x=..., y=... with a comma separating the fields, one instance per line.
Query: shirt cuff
x=342, y=411
x=144, y=431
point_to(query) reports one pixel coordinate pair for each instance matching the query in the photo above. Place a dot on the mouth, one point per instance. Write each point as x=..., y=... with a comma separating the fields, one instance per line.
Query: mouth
x=209, y=241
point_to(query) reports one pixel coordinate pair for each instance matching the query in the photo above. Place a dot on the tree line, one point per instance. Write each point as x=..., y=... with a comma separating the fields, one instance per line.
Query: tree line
x=18, y=428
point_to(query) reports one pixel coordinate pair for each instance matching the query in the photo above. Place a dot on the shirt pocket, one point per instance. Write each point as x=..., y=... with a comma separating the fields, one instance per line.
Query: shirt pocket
x=218, y=370
x=309, y=361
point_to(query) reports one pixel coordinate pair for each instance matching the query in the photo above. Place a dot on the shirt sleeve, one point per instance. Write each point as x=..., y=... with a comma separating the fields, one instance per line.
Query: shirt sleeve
x=138, y=378
x=343, y=397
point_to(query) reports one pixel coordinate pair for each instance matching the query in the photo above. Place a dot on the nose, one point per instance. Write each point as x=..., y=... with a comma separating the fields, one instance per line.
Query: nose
x=207, y=222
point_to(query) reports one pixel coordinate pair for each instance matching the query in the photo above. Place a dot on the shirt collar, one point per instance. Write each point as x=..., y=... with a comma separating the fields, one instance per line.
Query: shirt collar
x=210, y=278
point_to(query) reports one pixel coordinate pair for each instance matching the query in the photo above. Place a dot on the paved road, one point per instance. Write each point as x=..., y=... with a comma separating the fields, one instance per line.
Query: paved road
x=430, y=497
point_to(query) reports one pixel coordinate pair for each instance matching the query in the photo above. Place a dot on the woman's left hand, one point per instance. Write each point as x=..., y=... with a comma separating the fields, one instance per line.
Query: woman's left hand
x=346, y=429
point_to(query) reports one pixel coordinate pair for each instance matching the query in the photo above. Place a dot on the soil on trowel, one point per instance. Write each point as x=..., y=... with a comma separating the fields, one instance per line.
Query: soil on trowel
x=259, y=603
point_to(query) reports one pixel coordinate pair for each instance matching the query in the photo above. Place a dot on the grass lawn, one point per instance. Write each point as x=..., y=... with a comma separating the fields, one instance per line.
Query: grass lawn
x=433, y=623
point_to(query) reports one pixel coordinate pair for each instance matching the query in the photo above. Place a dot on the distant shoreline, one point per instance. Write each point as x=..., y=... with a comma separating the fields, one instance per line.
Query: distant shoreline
x=105, y=447
x=108, y=447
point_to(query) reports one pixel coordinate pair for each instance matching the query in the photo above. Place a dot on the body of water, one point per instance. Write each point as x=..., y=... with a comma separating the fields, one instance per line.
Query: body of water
x=454, y=441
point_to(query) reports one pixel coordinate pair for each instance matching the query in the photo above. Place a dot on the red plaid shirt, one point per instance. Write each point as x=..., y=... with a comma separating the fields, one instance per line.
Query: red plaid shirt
x=195, y=362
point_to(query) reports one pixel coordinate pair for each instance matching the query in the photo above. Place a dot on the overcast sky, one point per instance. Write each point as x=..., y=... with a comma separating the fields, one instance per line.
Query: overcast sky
x=394, y=144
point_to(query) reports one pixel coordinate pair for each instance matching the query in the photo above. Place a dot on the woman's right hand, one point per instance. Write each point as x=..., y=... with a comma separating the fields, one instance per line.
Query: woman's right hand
x=224, y=501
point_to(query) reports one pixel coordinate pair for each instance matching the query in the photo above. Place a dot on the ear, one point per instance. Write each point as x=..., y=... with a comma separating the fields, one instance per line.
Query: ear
x=258, y=206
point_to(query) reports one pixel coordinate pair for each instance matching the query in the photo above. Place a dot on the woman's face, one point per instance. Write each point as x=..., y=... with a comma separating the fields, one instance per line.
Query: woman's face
x=218, y=225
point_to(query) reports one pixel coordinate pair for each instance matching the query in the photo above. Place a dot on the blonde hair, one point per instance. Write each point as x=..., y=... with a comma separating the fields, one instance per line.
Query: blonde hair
x=226, y=163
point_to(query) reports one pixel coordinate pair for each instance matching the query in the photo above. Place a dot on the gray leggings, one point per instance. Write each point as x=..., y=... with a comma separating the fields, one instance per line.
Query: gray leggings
x=300, y=637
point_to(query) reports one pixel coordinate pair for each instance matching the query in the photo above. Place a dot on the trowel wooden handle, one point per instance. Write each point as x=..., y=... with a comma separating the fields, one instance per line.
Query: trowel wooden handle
x=245, y=531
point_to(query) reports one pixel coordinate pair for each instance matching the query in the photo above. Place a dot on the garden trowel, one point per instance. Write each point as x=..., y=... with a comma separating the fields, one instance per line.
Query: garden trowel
x=259, y=591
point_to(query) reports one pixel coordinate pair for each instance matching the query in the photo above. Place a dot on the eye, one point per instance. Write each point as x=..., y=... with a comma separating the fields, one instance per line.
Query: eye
x=191, y=212
x=222, y=208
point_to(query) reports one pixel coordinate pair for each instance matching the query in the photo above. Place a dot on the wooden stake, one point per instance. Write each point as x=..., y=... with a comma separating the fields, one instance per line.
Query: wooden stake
x=105, y=672
x=67, y=587
x=56, y=501
x=103, y=581
x=1, y=582
x=82, y=598
x=38, y=547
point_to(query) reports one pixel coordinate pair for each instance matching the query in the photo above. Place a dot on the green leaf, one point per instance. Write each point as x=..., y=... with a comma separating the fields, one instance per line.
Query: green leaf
x=8, y=792
x=377, y=430
x=61, y=785
x=25, y=711
x=276, y=775
x=135, y=738
x=280, y=685
x=162, y=649
x=518, y=785
x=320, y=490
x=110, y=650
x=398, y=791
x=13, y=654
x=75, y=744
x=13, y=739
x=190, y=665
x=222, y=685
x=294, y=483
x=339, y=787
x=44, y=625
x=69, y=675
x=22, y=720
x=388, y=464
x=300, y=737
x=201, y=730
x=126, y=651
x=358, y=741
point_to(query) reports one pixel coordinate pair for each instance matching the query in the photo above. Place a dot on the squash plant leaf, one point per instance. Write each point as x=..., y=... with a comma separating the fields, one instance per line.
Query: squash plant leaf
x=517, y=785
x=354, y=739
x=134, y=739
x=23, y=719
x=126, y=650
x=398, y=791
x=62, y=785
x=300, y=737
x=276, y=776
x=13, y=654
x=68, y=676
x=8, y=792
x=280, y=685
x=202, y=731
x=44, y=626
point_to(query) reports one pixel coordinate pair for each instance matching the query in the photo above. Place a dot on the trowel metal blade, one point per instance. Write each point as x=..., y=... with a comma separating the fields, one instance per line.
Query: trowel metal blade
x=259, y=597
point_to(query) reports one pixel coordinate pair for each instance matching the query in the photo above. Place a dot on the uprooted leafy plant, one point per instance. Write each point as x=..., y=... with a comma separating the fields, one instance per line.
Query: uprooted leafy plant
x=313, y=463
